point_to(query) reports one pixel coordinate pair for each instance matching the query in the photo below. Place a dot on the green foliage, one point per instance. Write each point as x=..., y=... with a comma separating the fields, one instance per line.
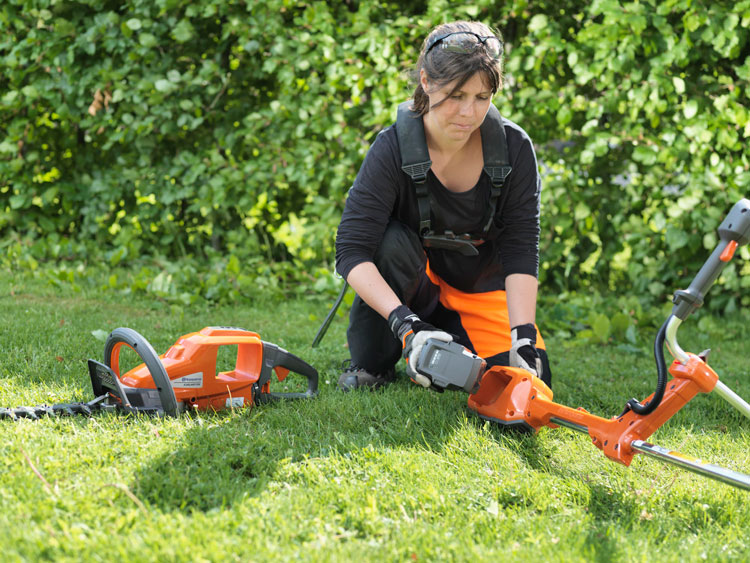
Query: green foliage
x=641, y=111
x=228, y=133
x=584, y=319
x=173, y=128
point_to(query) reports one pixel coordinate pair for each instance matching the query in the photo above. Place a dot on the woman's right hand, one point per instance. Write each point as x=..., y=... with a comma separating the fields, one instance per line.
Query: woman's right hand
x=413, y=333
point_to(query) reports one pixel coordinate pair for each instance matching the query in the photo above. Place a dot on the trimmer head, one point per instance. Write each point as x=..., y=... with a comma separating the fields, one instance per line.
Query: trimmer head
x=186, y=378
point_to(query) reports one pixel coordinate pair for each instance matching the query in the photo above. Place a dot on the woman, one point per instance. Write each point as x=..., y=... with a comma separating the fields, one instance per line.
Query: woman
x=452, y=255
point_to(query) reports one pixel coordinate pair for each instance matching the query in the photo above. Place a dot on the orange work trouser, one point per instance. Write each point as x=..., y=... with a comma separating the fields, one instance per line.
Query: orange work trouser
x=483, y=317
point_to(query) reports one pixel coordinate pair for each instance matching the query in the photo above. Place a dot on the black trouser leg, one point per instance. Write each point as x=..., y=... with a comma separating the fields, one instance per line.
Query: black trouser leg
x=401, y=261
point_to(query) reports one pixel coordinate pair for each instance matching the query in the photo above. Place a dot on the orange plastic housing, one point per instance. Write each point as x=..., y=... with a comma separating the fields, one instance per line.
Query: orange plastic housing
x=513, y=397
x=191, y=366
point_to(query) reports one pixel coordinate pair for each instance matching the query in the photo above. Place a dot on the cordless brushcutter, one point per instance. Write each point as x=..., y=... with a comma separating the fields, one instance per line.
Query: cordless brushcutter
x=512, y=397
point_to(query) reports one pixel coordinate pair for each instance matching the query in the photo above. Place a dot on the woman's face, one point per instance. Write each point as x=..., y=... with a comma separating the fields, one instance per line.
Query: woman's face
x=463, y=111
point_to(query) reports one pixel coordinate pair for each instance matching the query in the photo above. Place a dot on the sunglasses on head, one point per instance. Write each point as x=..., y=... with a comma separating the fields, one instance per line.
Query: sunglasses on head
x=466, y=42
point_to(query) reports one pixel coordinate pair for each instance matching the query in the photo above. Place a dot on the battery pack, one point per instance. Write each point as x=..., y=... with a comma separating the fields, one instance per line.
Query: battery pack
x=451, y=366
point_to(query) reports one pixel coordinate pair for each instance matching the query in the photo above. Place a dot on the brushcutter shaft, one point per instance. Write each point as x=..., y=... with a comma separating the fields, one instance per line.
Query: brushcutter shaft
x=733, y=231
x=568, y=424
x=728, y=476
x=716, y=472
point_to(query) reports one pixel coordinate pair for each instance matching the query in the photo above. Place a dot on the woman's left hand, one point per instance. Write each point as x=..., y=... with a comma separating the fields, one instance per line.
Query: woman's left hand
x=523, y=353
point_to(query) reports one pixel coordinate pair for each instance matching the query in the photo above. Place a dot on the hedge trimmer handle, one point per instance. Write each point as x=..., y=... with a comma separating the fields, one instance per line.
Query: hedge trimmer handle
x=105, y=378
x=276, y=357
x=734, y=231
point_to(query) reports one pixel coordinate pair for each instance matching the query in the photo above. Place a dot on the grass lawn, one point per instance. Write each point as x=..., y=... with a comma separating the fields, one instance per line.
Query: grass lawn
x=401, y=474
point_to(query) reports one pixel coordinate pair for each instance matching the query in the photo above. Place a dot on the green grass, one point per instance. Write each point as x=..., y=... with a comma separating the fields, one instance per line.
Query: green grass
x=398, y=475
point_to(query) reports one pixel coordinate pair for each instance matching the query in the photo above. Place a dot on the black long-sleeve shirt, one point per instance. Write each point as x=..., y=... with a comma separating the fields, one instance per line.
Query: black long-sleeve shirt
x=382, y=191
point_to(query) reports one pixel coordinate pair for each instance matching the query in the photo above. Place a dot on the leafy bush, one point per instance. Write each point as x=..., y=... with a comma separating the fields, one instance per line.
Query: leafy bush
x=641, y=107
x=173, y=127
x=228, y=133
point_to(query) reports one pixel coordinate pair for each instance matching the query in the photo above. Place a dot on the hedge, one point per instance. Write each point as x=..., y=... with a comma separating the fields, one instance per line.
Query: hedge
x=231, y=131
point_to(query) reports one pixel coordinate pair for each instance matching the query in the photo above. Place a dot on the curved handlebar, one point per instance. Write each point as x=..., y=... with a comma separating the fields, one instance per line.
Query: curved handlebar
x=141, y=346
x=733, y=232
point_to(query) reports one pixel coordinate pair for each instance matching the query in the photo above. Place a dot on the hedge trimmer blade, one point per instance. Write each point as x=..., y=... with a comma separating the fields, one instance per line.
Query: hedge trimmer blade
x=61, y=409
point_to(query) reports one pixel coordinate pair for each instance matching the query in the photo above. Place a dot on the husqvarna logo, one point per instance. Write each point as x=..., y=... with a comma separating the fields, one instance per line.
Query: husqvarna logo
x=191, y=381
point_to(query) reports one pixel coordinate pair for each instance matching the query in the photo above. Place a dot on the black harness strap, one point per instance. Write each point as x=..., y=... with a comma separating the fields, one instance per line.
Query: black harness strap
x=496, y=161
x=415, y=158
x=416, y=162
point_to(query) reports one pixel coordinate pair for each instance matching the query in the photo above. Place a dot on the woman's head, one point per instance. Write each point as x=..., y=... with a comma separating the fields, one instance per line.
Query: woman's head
x=453, y=53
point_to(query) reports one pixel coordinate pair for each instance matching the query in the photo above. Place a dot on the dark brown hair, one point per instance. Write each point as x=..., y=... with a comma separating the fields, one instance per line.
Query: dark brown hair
x=443, y=67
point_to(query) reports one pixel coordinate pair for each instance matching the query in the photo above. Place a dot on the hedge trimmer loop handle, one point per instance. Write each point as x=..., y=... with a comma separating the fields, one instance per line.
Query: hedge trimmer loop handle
x=129, y=337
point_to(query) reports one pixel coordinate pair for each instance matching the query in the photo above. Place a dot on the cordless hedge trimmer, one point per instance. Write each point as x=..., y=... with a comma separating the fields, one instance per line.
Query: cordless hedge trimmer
x=184, y=378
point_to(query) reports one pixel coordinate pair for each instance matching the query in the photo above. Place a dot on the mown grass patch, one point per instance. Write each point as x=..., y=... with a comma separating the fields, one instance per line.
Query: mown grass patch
x=399, y=474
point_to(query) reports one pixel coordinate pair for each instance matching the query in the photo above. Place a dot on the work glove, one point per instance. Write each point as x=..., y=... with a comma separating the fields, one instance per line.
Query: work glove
x=523, y=353
x=413, y=332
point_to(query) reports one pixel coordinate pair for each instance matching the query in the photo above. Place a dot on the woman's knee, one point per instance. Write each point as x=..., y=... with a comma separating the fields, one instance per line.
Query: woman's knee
x=400, y=252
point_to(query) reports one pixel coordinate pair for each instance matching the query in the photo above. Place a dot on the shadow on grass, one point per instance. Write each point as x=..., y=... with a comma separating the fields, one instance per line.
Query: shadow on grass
x=224, y=458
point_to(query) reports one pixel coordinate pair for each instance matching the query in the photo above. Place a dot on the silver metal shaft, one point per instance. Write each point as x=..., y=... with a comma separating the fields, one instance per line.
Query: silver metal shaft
x=568, y=424
x=728, y=476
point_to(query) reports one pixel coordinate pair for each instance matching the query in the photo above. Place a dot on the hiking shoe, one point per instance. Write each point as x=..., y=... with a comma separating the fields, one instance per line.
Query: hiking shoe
x=355, y=377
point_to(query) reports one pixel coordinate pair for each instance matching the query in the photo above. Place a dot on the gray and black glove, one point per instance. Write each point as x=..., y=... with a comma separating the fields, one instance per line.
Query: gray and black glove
x=413, y=332
x=523, y=353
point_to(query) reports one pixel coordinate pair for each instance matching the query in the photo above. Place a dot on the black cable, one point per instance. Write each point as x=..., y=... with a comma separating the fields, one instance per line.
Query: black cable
x=661, y=383
x=329, y=317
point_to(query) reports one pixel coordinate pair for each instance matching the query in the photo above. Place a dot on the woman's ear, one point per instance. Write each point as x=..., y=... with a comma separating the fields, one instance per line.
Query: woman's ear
x=423, y=80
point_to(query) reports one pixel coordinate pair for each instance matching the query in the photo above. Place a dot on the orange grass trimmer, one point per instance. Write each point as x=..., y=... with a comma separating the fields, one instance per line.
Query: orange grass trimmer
x=513, y=397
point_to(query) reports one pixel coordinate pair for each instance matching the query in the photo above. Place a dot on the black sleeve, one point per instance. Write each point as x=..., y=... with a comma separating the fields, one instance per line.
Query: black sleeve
x=370, y=203
x=519, y=218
